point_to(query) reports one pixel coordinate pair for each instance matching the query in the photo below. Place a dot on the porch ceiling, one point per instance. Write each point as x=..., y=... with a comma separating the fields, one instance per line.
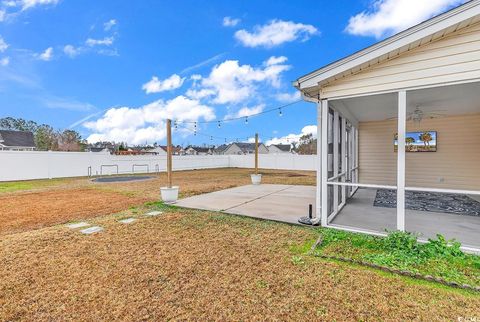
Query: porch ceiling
x=447, y=100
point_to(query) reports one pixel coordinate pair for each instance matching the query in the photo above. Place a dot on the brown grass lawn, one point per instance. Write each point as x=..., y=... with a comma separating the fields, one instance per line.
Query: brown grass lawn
x=193, y=265
x=36, y=204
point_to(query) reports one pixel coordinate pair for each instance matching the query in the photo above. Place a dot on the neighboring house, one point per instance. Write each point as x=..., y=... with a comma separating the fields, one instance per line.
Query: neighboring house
x=220, y=149
x=415, y=85
x=103, y=147
x=244, y=148
x=197, y=150
x=279, y=148
x=159, y=150
x=16, y=140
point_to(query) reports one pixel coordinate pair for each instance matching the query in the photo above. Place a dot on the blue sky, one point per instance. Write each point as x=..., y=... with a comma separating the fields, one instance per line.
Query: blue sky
x=114, y=70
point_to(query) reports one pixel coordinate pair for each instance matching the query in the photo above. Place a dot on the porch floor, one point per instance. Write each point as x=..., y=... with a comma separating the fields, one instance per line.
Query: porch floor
x=286, y=203
x=359, y=212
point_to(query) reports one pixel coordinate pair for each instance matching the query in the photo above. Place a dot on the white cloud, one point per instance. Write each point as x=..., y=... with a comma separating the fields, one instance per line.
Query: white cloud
x=47, y=55
x=27, y=4
x=107, y=41
x=233, y=83
x=56, y=102
x=294, y=138
x=109, y=24
x=4, y=61
x=71, y=51
x=275, y=33
x=387, y=17
x=156, y=85
x=247, y=111
x=288, y=97
x=147, y=123
x=274, y=60
x=3, y=45
x=230, y=22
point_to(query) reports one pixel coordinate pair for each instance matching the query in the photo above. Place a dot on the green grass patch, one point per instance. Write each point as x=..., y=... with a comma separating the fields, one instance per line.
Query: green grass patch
x=438, y=257
x=27, y=185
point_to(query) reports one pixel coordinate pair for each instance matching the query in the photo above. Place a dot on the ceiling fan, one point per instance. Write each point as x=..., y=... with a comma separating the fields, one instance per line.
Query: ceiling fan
x=417, y=115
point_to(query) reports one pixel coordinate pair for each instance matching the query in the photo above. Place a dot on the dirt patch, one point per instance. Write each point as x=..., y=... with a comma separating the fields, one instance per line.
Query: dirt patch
x=33, y=210
x=191, y=265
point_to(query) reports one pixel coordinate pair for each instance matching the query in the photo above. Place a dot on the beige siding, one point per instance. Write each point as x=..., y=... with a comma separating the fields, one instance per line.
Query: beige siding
x=451, y=59
x=456, y=162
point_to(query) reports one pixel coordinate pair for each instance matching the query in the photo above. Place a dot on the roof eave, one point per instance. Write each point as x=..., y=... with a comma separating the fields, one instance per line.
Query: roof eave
x=417, y=32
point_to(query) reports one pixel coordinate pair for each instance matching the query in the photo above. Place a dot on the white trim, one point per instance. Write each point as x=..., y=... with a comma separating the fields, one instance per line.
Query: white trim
x=412, y=35
x=402, y=125
x=318, y=200
x=454, y=191
x=413, y=88
x=336, y=134
x=361, y=185
x=343, y=156
x=324, y=165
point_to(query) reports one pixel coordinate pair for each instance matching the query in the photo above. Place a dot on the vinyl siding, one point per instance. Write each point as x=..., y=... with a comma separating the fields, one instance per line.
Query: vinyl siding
x=454, y=58
x=457, y=160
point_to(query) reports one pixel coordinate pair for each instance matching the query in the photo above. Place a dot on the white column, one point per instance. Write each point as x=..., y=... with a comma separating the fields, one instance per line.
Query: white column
x=402, y=115
x=357, y=169
x=318, y=200
x=343, y=156
x=336, y=128
x=324, y=129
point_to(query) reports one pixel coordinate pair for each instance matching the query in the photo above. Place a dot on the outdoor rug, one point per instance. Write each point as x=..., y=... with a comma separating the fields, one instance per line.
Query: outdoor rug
x=430, y=201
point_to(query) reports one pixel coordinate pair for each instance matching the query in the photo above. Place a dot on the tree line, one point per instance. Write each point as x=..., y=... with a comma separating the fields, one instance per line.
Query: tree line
x=46, y=137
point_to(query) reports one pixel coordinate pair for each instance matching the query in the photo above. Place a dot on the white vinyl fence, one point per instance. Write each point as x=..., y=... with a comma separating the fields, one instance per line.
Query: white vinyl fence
x=27, y=165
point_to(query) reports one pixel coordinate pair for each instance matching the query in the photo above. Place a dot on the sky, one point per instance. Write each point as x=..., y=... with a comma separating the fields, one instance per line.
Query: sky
x=116, y=70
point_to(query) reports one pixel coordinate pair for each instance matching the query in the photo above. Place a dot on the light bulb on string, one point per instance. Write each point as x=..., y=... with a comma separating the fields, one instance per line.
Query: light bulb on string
x=246, y=119
x=280, y=112
x=176, y=125
x=219, y=125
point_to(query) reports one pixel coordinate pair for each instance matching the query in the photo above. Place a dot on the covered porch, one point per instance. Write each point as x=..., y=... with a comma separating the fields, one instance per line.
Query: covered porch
x=405, y=160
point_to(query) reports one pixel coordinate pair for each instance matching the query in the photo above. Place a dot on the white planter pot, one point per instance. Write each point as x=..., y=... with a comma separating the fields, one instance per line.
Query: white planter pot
x=169, y=195
x=256, y=178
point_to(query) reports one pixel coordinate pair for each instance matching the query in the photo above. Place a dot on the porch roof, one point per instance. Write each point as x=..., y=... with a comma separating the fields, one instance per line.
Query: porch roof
x=419, y=35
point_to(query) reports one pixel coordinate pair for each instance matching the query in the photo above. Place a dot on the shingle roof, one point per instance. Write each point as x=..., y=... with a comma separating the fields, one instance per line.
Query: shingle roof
x=17, y=138
x=221, y=148
x=247, y=147
x=283, y=147
x=200, y=149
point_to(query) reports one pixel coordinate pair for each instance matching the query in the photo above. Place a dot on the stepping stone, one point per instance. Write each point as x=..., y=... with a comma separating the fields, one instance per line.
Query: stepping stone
x=91, y=230
x=127, y=220
x=78, y=225
x=153, y=213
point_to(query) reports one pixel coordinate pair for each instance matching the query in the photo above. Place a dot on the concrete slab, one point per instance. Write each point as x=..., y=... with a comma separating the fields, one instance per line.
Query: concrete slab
x=78, y=225
x=153, y=213
x=91, y=230
x=127, y=220
x=278, y=202
x=360, y=213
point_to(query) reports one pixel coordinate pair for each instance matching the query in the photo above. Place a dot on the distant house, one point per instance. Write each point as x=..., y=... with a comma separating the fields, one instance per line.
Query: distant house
x=196, y=150
x=162, y=150
x=220, y=149
x=243, y=148
x=279, y=148
x=16, y=140
x=103, y=147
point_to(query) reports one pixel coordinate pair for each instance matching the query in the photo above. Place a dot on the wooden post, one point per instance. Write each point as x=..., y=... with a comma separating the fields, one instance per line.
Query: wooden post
x=256, y=153
x=169, y=153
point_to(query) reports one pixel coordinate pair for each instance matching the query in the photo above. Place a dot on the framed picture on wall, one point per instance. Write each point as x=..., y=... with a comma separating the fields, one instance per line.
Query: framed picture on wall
x=423, y=141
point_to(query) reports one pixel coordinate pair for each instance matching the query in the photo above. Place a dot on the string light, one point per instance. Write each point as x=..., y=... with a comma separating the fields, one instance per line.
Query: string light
x=246, y=119
x=280, y=112
x=219, y=125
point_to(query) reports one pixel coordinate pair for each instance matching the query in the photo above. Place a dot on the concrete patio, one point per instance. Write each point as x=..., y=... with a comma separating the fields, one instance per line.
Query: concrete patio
x=285, y=203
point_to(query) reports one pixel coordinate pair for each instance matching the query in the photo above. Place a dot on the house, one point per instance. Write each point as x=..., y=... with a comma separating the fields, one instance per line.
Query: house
x=102, y=147
x=418, y=90
x=16, y=140
x=279, y=148
x=243, y=148
x=197, y=150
